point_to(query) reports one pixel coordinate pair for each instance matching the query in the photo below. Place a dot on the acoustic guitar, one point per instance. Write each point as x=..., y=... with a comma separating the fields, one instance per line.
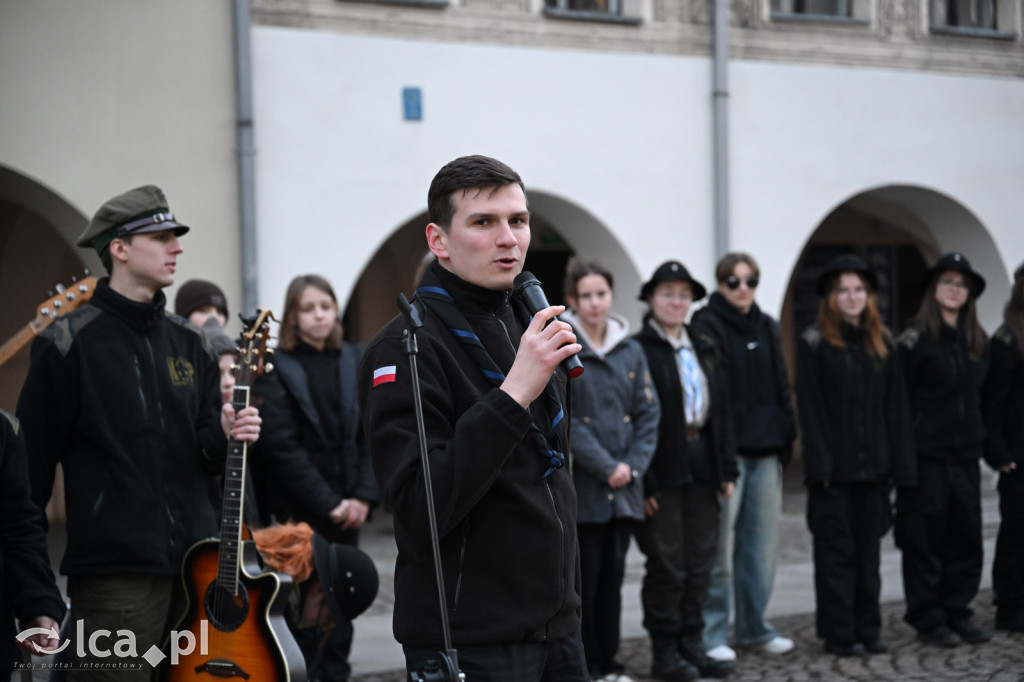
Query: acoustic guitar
x=233, y=606
x=63, y=302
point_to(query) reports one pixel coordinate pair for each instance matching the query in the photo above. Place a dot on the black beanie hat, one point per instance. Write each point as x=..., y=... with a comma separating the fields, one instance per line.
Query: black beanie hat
x=195, y=294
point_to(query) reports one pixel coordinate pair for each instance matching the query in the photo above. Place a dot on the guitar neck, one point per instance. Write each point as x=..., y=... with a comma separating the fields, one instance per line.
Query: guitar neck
x=233, y=503
x=17, y=342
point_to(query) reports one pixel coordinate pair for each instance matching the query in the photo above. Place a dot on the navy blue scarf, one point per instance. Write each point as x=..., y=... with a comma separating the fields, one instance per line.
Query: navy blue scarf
x=433, y=295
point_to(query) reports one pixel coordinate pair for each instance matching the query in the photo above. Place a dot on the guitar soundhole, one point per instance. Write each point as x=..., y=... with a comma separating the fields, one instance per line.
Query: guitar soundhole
x=226, y=611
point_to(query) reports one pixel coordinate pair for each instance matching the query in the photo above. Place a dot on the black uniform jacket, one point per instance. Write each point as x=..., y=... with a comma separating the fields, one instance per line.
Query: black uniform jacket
x=128, y=400
x=1003, y=401
x=669, y=466
x=944, y=385
x=854, y=416
x=301, y=471
x=508, y=533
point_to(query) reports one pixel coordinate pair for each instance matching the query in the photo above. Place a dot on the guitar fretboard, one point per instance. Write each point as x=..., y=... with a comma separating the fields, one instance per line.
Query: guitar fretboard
x=231, y=508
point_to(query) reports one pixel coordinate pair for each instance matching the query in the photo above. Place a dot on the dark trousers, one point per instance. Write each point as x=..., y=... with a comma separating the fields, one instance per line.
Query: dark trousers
x=938, y=527
x=1008, y=564
x=847, y=521
x=679, y=541
x=556, y=661
x=603, y=548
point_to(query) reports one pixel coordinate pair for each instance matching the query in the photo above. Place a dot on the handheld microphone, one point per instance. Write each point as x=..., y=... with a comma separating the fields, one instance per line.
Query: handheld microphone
x=527, y=290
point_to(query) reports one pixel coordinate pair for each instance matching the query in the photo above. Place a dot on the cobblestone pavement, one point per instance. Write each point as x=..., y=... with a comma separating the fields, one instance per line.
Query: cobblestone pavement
x=1001, y=660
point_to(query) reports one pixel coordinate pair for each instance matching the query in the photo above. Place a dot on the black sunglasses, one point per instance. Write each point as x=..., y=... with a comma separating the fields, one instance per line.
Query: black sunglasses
x=733, y=282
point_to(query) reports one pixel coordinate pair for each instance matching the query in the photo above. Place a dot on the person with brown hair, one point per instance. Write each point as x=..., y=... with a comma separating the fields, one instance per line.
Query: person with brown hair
x=945, y=356
x=1003, y=407
x=313, y=464
x=614, y=433
x=856, y=442
x=762, y=415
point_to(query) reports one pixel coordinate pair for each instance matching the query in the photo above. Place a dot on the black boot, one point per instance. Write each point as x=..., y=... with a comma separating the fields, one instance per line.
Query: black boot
x=694, y=654
x=667, y=663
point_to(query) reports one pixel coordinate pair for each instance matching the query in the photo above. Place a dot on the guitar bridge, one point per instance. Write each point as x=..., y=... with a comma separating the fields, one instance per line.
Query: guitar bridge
x=220, y=667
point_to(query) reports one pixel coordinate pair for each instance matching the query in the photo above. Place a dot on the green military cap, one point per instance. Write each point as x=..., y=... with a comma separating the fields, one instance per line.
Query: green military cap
x=143, y=209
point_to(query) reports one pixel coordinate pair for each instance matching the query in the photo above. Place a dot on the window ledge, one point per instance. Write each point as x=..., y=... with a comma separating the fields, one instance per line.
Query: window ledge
x=426, y=4
x=968, y=32
x=586, y=15
x=818, y=19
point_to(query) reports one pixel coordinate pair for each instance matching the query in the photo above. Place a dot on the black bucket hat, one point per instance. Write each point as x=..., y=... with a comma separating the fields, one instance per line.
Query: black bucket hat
x=672, y=271
x=845, y=262
x=348, y=577
x=957, y=262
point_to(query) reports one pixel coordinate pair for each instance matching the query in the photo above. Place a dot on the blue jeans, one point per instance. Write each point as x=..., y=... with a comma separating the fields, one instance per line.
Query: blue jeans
x=748, y=545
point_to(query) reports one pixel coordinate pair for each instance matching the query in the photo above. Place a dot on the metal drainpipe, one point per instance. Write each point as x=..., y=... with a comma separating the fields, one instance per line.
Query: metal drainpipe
x=246, y=154
x=720, y=129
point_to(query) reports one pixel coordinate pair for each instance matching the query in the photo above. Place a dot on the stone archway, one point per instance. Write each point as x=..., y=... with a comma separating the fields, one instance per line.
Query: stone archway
x=38, y=229
x=560, y=229
x=901, y=230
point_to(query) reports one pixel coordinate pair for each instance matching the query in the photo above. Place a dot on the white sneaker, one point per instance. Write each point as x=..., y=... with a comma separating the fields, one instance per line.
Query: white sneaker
x=778, y=645
x=722, y=652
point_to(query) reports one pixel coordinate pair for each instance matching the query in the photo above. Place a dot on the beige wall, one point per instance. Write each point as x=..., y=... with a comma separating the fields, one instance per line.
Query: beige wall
x=105, y=95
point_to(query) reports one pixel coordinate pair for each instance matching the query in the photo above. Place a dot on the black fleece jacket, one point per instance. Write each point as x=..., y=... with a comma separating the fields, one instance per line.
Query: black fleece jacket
x=312, y=453
x=854, y=416
x=944, y=384
x=128, y=400
x=759, y=392
x=1003, y=401
x=27, y=587
x=508, y=534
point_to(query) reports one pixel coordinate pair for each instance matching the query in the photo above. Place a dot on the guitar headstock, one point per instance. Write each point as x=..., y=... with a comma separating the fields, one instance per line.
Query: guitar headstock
x=65, y=300
x=252, y=347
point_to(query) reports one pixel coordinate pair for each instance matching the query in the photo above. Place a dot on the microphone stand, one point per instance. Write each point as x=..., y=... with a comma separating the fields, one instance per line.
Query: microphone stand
x=446, y=669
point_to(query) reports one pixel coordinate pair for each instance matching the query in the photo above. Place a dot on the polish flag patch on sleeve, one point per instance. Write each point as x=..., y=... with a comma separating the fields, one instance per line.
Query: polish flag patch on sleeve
x=384, y=375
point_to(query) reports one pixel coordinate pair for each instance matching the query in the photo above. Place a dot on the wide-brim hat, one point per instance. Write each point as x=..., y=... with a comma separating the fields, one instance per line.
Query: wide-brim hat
x=957, y=262
x=348, y=577
x=672, y=271
x=137, y=211
x=845, y=262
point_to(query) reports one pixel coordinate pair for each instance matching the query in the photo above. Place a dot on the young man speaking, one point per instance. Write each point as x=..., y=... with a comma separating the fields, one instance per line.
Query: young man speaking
x=496, y=433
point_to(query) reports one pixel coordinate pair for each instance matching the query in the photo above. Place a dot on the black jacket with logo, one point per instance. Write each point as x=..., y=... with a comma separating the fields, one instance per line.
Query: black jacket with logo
x=128, y=401
x=508, y=533
x=759, y=392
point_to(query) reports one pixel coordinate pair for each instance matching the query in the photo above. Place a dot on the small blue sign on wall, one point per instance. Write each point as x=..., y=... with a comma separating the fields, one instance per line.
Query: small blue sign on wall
x=412, y=104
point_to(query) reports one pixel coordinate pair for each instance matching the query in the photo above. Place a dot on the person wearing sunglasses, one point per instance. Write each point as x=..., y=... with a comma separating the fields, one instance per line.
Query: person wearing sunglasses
x=945, y=355
x=759, y=395
x=856, y=438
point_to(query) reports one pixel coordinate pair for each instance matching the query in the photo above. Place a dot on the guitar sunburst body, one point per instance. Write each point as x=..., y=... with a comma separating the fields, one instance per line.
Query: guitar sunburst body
x=247, y=637
x=234, y=607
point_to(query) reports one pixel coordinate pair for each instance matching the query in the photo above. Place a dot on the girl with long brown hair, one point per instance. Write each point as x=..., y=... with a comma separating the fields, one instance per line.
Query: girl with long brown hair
x=856, y=438
x=938, y=522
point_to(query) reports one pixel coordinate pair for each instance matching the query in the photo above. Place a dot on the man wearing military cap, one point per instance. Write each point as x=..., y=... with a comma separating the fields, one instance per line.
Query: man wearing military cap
x=127, y=399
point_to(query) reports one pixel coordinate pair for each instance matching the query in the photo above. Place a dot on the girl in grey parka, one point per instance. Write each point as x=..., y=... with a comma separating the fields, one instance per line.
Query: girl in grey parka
x=615, y=415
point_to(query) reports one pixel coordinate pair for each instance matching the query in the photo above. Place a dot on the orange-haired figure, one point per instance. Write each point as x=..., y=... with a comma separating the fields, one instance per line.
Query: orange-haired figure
x=857, y=440
x=335, y=583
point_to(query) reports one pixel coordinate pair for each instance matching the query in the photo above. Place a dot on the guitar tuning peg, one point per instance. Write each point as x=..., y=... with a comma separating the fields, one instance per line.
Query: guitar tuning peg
x=49, y=294
x=268, y=367
x=270, y=351
x=60, y=288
